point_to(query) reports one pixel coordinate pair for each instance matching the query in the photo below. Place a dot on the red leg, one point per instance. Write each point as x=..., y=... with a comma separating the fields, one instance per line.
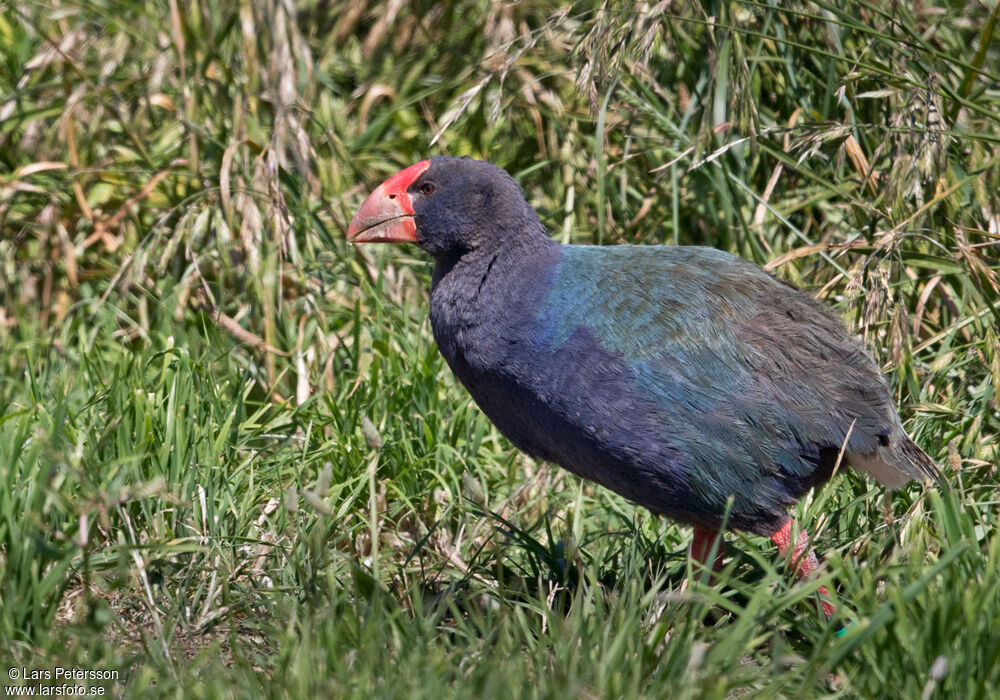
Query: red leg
x=701, y=547
x=803, y=559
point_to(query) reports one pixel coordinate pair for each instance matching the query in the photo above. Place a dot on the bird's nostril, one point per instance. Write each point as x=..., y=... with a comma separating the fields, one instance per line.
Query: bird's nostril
x=392, y=196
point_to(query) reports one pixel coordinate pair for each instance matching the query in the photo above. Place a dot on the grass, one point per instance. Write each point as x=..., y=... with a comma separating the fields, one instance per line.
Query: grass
x=232, y=461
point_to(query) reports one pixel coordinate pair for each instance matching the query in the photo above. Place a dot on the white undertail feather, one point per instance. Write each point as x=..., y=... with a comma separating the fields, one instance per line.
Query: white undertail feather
x=896, y=463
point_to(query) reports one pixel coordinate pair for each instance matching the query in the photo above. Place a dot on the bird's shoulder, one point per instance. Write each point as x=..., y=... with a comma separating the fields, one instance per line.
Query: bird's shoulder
x=636, y=298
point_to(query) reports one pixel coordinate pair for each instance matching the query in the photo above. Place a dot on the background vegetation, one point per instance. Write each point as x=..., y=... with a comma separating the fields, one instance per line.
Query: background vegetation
x=232, y=462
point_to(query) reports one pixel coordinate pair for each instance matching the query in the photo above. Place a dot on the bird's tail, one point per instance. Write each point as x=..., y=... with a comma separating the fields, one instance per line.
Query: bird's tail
x=921, y=466
x=898, y=462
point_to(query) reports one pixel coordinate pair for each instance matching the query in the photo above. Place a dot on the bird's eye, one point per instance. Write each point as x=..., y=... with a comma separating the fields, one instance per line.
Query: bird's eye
x=427, y=188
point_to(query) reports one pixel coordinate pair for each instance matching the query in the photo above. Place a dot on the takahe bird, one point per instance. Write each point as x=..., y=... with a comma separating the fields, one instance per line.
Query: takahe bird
x=678, y=377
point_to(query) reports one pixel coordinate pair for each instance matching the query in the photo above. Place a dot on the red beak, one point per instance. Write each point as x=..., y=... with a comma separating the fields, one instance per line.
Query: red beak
x=387, y=215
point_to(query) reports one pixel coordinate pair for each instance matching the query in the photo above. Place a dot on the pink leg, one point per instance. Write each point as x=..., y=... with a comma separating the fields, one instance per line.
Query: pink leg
x=805, y=562
x=701, y=547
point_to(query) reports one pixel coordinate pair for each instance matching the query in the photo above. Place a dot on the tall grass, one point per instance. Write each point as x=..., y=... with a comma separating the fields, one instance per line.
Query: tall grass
x=232, y=460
